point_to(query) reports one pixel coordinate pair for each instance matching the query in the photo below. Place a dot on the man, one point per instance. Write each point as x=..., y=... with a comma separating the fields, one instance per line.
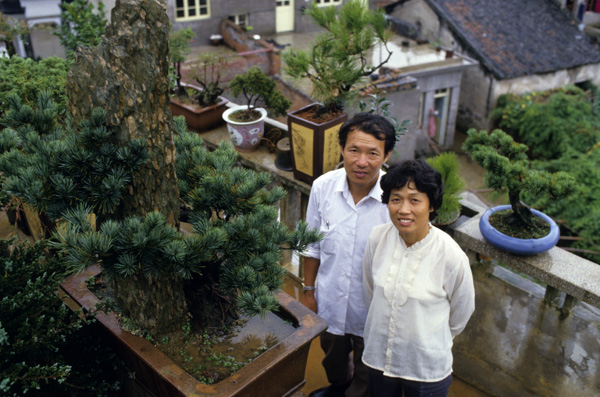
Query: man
x=345, y=204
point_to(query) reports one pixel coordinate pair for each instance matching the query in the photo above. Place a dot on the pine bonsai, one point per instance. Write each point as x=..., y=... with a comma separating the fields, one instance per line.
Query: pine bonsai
x=230, y=262
x=338, y=60
x=507, y=167
x=257, y=89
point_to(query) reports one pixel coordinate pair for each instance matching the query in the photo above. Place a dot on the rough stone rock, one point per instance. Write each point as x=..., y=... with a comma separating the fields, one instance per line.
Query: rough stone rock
x=127, y=74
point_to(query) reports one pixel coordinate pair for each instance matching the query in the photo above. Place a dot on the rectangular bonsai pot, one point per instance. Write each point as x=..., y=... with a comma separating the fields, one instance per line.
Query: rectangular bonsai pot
x=277, y=372
x=314, y=147
x=200, y=119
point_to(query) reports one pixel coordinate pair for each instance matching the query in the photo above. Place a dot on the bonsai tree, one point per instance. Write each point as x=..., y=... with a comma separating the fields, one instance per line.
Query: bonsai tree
x=230, y=262
x=207, y=71
x=447, y=165
x=257, y=89
x=338, y=60
x=508, y=168
x=179, y=49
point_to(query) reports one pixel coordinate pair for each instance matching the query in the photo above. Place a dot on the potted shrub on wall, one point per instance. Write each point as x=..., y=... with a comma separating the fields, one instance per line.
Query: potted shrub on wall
x=202, y=105
x=246, y=122
x=516, y=228
x=335, y=65
x=448, y=166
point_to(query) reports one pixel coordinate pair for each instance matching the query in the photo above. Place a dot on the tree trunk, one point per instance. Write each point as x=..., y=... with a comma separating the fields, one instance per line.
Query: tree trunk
x=522, y=212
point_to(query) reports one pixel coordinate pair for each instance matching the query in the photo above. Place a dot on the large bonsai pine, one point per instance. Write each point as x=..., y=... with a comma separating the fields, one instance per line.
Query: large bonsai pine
x=507, y=167
x=338, y=61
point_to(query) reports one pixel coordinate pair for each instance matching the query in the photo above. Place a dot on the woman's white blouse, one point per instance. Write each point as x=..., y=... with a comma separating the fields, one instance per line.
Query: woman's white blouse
x=419, y=299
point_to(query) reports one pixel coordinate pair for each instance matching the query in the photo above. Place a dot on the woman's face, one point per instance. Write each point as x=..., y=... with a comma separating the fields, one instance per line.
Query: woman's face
x=409, y=210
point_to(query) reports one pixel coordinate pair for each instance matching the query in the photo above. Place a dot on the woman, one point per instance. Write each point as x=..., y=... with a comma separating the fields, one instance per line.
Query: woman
x=419, y=288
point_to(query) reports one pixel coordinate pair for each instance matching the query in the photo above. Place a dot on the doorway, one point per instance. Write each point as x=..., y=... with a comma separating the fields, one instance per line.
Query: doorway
x=284, y=16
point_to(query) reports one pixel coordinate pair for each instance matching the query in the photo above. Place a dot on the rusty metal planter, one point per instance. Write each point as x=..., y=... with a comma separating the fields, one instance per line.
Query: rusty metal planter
x=277, y=372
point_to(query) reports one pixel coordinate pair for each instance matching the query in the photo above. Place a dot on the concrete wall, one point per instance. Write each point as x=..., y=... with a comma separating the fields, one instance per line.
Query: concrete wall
x=517, y=345
x=480, y=92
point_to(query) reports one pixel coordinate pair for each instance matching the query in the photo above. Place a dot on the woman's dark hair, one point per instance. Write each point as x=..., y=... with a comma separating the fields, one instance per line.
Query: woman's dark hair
x=372, y=124
x=426, y=178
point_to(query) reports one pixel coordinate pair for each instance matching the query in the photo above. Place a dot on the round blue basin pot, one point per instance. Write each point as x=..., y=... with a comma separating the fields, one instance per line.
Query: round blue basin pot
x=515, y=245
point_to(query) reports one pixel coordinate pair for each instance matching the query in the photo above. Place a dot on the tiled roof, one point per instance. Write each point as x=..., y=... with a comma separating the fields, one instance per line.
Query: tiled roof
x=514, y=38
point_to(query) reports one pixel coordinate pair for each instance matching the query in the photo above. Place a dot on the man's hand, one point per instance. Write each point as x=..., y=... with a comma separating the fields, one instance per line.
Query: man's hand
x=310, y=301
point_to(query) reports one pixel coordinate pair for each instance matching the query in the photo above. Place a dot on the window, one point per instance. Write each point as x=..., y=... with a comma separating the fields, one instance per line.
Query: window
x=192, y=9
x=282, y=3
x=329, y=2
x=239, y=19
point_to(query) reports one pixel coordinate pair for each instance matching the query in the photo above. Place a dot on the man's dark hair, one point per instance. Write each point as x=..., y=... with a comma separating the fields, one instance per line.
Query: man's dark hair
x=370, y=123
x=426, y=179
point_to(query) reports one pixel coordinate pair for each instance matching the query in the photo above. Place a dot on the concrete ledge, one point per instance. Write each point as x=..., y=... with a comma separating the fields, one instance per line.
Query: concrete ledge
x=558, y=268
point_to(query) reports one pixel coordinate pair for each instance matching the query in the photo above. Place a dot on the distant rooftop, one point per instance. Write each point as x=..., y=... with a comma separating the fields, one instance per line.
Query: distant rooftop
x=514, y=38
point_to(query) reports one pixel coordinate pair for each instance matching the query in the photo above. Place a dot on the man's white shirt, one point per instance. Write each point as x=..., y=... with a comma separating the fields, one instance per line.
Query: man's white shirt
x=346, y=228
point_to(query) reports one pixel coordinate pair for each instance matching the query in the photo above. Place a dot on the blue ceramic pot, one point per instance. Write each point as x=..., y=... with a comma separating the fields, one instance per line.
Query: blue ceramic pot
x=515, y=245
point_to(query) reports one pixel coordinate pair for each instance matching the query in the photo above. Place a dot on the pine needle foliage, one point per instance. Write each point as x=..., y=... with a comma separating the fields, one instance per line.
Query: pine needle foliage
x=338, y=60
x=236, y=246
x=44, y=349
x=507, y=167
x=447, y=165
x=54, y=168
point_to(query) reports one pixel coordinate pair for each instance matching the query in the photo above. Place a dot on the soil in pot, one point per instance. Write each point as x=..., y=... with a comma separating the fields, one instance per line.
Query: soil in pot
x=506, y=223
x=213, y=353
x=245, y=116
x=317, y=115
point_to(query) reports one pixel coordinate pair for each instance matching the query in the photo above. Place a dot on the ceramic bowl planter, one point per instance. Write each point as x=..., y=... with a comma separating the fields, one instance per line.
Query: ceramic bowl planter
x=516, y=245
x=277, y=372
x=199, y=118
x=245, y=136
x=314, y=146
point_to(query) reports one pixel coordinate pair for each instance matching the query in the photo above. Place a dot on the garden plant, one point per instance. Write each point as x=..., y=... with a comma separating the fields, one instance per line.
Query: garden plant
x=339, y=59
x=257, y=90
x=562, y=128
x=507, y=167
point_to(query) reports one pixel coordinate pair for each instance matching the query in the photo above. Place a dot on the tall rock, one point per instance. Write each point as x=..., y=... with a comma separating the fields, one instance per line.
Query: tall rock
x=127, y=74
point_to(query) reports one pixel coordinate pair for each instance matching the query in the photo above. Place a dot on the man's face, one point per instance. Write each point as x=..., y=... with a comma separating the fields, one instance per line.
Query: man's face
x=363, y=157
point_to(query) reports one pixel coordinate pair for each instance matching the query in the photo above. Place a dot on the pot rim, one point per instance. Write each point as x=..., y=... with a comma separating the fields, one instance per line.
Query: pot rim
x=233, y=109
x=517, y=245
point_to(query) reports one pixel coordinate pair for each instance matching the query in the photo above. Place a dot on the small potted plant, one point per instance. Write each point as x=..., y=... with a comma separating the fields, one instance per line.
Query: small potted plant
x=202, y=105
x=335, y=65
x=516, y=228
x=246, y=122
x=448, y=166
